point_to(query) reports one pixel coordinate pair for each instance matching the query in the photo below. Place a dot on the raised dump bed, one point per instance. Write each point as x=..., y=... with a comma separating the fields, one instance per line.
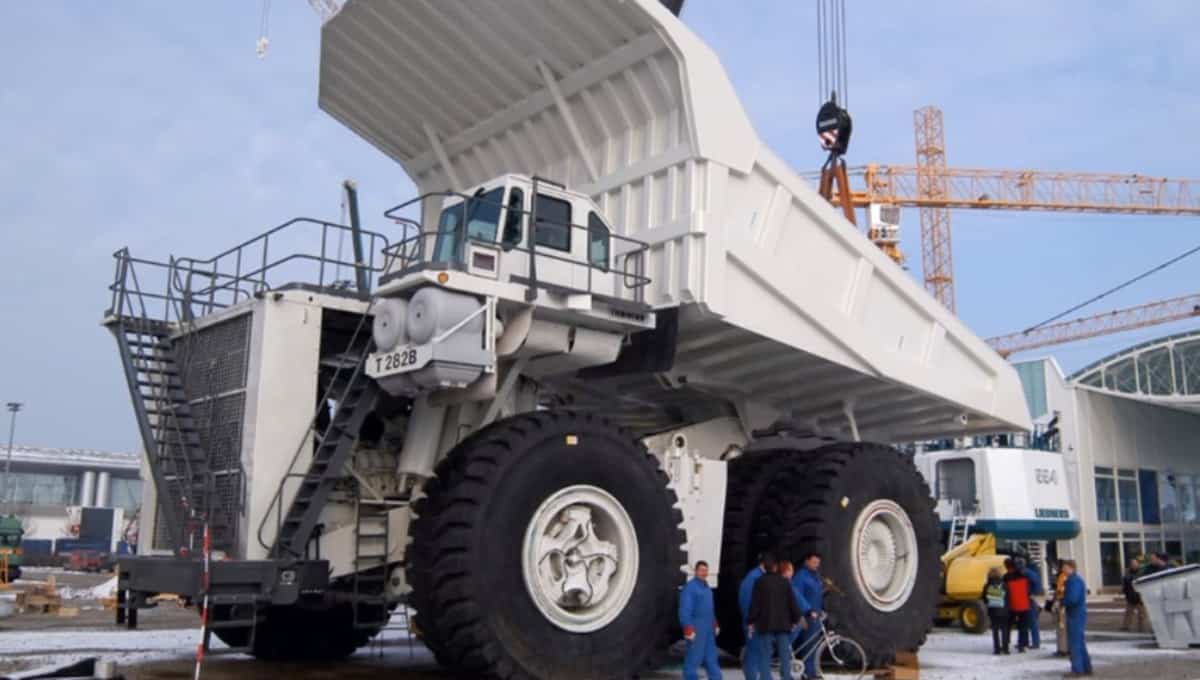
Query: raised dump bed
x=783, y=304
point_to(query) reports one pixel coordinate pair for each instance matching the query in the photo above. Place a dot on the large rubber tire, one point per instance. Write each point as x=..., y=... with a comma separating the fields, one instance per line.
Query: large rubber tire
x=790, y=502
x=465, y=561
x=419, y=574
x=757, y=488
x=296, y=633
x=841, y=480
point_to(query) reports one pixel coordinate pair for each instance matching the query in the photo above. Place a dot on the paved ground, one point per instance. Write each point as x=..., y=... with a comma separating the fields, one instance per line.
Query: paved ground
x=162, y=650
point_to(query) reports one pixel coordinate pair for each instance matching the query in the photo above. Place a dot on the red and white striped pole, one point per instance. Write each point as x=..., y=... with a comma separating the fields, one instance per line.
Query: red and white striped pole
x=204, y=603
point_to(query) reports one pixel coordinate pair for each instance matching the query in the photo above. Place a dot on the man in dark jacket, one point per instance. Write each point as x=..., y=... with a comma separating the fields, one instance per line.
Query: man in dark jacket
x=1133, y=601
x=1157, y=563
x=774, y=614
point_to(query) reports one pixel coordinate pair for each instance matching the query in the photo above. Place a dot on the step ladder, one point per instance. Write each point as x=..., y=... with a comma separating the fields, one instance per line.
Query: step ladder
x=244, y=606
x=327, y=466
x=371, y=549
x=960, y=530
x=1036, y=553
x=153, y=372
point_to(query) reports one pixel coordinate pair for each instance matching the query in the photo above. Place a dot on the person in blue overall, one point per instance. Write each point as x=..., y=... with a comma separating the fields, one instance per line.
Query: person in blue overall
x=788, y=571
x=812, y=601
x=700, y=629
x=1075, y=601
x=750, y=654
x=1035, y=590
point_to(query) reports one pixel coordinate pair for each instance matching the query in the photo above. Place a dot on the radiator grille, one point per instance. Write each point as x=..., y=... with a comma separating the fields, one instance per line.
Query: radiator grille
x=214, y=364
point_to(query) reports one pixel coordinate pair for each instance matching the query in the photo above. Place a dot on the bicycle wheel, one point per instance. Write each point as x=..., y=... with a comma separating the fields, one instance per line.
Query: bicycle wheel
x=842, y=657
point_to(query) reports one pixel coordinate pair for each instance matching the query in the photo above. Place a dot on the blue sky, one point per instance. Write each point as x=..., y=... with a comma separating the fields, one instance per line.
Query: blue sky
x=153, y=125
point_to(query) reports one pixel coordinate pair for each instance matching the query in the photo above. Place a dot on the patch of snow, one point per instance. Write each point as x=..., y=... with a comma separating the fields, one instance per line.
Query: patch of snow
x=123, y=646
x=956, y=656
x=106, y=589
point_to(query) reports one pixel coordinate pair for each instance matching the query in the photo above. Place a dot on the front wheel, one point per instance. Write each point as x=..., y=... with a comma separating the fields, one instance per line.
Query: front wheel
x=549, y=546
x=841, y=657
x=974, y=617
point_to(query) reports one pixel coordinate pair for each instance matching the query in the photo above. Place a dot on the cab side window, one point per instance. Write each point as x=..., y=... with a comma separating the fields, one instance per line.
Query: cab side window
x=513, y=219
x=598, y=242
x=553, y=228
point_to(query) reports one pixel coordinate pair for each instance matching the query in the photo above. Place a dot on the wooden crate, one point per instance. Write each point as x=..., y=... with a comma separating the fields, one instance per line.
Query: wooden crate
x=906, y=667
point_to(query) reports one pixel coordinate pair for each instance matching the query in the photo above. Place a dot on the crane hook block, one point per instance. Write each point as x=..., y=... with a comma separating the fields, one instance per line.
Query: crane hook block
x=834, y=127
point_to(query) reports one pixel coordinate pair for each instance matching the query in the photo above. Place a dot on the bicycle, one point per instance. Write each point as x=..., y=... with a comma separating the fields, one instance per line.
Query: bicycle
x=843, y=655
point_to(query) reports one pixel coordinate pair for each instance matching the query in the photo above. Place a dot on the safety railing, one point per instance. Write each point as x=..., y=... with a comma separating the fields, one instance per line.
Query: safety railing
x=185, y=288
x=623, y=259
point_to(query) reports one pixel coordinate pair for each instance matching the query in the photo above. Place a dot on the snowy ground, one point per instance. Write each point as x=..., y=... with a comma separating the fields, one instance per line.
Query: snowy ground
x=948, y=655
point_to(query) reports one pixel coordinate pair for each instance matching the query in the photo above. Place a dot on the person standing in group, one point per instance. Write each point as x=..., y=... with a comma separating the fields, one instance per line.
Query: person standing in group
x=811, y=596
x=1061, y=645
x=1075, y=603
x=745, y=590
x=1035, y=590
x=699, y=621
x=1133, y=601
x=1157, y=563
x=1017, y=584
x=995, y=595
x=774, y=614
x=788, y=571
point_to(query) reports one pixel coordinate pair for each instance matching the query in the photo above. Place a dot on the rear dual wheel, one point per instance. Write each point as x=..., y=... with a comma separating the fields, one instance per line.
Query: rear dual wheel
x=548, y=546
x=867, y=511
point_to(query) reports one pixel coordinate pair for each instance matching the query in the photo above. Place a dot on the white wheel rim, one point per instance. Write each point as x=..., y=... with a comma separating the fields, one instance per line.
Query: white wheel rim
x=580, y=558
x=884, y=550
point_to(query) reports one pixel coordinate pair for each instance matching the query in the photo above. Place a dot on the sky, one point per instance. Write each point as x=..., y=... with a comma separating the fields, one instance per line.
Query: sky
x=155, y=126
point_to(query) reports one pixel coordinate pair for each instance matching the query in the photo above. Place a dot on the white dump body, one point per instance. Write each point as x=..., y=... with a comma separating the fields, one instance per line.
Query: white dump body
x=784, y=307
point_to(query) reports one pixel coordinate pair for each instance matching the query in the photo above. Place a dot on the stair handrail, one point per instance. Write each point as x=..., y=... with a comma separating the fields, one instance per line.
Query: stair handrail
x=276, y=503
x=231, y=279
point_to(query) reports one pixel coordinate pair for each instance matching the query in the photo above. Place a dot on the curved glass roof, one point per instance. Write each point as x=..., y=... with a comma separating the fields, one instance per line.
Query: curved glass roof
x=1166, y=369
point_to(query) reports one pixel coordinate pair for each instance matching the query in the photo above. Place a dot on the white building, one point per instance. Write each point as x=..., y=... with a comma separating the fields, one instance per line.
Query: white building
x=1130, y=432
x=48, y=486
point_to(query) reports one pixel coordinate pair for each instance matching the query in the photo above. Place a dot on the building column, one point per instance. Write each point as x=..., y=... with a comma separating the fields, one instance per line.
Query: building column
x=103, y=489
x=87, y=489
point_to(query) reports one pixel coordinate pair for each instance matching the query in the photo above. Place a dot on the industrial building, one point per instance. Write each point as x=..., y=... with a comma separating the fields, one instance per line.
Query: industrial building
x=48, y=486
x=1129, y=426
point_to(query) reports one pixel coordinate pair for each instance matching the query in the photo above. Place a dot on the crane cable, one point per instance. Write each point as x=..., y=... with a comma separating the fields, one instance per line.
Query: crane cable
x=834, y=125
x=831, y=52
x=260, y=47
x=1154, y=270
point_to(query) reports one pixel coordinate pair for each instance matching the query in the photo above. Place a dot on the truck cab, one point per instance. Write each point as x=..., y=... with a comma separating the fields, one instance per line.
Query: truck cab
x=516, y=261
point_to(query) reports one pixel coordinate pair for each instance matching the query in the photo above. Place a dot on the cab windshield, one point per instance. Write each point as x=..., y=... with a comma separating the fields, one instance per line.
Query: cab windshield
x=482, y=218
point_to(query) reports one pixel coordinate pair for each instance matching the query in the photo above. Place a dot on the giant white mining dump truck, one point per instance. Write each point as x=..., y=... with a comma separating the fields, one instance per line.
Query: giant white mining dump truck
x=614, y=335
